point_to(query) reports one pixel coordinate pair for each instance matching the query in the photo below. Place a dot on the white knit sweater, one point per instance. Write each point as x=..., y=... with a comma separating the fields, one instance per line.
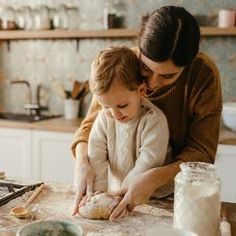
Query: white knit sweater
x=120, y=151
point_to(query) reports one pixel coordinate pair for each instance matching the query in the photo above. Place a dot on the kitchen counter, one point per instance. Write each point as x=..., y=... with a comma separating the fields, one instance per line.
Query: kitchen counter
x=227, y=136
x=55, y=124
x=56, y=201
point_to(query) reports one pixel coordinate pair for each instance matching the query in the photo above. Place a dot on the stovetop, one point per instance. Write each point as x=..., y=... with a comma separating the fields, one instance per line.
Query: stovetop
x=11, y=190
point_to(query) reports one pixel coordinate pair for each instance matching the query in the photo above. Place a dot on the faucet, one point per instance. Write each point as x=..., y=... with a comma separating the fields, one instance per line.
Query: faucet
x=28, y=86
x=40, y=108
x=34, y=109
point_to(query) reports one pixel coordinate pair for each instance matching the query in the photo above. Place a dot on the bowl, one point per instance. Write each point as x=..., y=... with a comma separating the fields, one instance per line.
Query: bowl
x=169, y=231
x=50, y=228
x=229, y=115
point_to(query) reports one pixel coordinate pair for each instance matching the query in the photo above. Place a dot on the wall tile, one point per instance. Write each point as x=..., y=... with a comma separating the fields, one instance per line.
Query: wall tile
x=44, y=61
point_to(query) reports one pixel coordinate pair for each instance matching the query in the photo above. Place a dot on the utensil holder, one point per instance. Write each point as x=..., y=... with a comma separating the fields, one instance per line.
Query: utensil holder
x=71, y=109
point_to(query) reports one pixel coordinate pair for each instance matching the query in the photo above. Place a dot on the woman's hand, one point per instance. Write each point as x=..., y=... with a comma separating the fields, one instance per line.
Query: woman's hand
x=83, y=175
x=139, y=190
x=136, y=192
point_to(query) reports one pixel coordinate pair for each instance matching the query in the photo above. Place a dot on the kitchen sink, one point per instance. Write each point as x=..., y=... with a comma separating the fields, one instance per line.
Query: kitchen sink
x=25, y=117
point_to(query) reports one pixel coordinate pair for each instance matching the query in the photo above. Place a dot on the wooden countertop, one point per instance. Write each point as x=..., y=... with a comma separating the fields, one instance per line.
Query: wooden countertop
x=56, y=201
x=55, y=124
x=227, y=136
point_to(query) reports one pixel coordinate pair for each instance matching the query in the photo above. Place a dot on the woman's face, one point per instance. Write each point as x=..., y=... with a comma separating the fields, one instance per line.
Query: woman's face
x=159, y=74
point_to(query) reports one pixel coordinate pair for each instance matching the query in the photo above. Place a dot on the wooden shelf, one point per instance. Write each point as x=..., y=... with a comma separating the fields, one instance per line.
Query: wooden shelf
x=216, y=31
x=83, y=34
x=67, y=34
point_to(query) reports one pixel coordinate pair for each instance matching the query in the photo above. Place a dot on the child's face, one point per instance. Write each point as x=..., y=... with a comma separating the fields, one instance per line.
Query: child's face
x=121, y=103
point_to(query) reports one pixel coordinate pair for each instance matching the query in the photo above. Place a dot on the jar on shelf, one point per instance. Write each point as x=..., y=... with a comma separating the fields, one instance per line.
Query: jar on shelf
x=19, y=18
x=60, y=18
x=114, y=14
x=120, y=11
x=28, y=18
x=197, y=199
x=8, y=18
x=41, y=18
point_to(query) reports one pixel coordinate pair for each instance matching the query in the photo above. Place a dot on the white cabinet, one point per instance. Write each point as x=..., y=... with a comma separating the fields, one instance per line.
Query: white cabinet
x=41, y=155
x=52, y=158
x=226, y=167
x=15, y=152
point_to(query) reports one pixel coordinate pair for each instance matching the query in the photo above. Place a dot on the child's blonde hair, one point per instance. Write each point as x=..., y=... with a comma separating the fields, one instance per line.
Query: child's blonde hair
x=115, y=63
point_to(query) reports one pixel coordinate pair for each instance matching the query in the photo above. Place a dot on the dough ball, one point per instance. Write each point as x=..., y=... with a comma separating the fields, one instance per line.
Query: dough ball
x=97, y=207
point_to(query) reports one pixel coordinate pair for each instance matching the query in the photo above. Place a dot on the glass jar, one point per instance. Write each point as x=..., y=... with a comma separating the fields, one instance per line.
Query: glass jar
x=20, y=19
x=28, y=18
x=60, y=18
x=197, y=199
x=114, y=14
x=8, y=18
x=41, y=18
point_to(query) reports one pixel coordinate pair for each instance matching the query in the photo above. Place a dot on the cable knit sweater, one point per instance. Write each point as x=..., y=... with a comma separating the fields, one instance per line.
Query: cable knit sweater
x=192, y=106
x=119, y=151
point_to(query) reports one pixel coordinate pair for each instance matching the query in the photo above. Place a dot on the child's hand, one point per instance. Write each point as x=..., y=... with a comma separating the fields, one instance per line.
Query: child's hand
x=83, y=181
x=87, y=198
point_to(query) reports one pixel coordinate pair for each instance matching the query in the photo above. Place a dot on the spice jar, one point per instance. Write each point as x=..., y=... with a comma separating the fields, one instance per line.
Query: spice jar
x=41, y=18
x=197, y=199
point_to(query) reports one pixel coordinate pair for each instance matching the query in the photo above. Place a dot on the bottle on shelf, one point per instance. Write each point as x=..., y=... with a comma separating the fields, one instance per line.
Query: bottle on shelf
x=114, y=14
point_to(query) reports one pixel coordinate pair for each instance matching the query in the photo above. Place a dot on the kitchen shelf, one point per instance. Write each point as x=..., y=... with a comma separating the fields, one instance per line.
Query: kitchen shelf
x=67, y=34
x=83, y=34
x=216, y=31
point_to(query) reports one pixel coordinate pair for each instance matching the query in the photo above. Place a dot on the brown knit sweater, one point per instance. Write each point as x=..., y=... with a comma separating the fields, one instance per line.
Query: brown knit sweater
x=192, y=105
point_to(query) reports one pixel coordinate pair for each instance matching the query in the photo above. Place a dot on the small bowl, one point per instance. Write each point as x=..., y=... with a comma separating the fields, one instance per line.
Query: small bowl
x=50, y=228
x=169, y=231
x=229, y=115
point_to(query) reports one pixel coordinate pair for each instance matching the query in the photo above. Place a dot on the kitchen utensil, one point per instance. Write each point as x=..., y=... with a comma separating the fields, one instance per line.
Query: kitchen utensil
x=71, y=109
x=75, y=90
x=84, y=89
x=50, y=228
x=229, y=115
x=10, y=190
x=22, y=211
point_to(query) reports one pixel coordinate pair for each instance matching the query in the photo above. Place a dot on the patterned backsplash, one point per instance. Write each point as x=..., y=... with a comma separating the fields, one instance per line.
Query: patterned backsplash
x=44, y=61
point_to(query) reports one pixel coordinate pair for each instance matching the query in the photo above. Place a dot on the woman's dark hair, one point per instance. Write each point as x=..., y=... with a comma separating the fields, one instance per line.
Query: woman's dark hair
x=171, y=32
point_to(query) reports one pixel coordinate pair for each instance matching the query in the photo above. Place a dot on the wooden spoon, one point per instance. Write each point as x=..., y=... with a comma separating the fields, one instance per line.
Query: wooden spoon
x=22, y=211
x=83, y=90
x=76, y=89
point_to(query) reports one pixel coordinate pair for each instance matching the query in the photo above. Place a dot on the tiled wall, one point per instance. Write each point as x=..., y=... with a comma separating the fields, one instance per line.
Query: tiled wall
x=44, y=61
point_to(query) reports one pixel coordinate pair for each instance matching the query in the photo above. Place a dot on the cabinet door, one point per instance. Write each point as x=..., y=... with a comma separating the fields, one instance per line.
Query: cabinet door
x=15, y=149
x=52, y=158
x=226, y=167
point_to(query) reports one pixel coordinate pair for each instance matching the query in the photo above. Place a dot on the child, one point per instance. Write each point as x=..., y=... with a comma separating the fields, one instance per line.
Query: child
x=130, y=134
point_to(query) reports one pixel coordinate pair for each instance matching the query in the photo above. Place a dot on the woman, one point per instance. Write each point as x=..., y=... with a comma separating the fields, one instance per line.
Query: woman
x=185, y=85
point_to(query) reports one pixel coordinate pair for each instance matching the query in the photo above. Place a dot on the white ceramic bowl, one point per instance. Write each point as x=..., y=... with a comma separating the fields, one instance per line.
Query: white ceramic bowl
x=229, y=115
x=50, y=228
x=169, y=231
